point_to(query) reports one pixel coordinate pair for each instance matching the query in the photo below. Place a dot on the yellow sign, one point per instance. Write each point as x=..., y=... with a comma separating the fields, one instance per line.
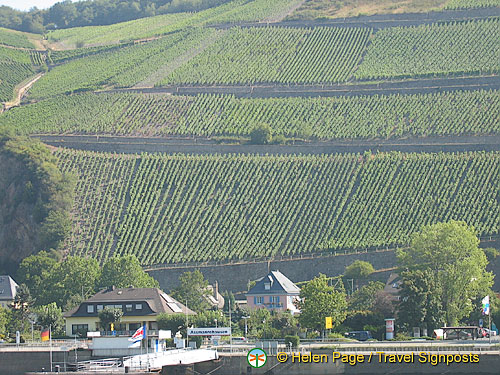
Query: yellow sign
x=112, y=326
x=328, y=322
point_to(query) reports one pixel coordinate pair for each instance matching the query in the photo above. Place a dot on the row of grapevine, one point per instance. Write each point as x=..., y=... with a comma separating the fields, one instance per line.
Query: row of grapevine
x=181, y=208
x=276, y=54
x=378, y=116
x=120, y=67
x=464, y=4
x=15, y=67
x=432, y=50
x=14, y=39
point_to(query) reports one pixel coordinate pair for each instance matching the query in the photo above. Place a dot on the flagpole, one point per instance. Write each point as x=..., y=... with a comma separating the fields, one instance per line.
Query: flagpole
x=489, y=319
x=50, y=345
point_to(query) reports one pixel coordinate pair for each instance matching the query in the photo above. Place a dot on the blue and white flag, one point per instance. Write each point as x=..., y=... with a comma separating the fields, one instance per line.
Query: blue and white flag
x=486, y=305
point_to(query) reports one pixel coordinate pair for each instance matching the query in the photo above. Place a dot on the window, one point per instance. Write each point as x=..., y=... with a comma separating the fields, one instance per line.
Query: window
x=118, y=307
x=267, y=286
x=134, y=326
x=138, y=306
x=80, y=329
x=100, y=308
x=128, y=308
x=90, y=309
x=274, y=299
x=258, y=300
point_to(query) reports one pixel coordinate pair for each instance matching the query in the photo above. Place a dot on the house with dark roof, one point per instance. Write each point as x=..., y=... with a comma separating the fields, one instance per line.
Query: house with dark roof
x=274, y=292
x=140, y=306
x=8, y=290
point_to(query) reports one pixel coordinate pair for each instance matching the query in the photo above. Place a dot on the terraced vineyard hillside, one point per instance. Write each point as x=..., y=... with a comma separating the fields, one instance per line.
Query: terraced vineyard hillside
x=195, y=208
x=15, y=67
x=452, y=113
x=431, y=50
x=231, y=12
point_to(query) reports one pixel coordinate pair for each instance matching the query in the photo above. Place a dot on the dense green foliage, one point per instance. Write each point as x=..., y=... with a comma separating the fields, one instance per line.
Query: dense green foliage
x=464, y=4
x=14, y=39
x=274, y=54
x=318, y=300
x=192, y=291
x=445, y=272
x=118, y=67
x=359, y=269
x=165, y=208
x=35, y=199
x=433, y=49
x=73, y=279
x=379, y=116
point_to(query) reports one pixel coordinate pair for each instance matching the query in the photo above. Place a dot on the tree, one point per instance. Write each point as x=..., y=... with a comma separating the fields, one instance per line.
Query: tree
x=365, y=297
x=51, y=315
x=229, y=301
x=4, y=321
x=108, y=316
x=318, y=300
x=261, y=134
x=21, y=307
x=207, y=319
x=420, y=303
x=359, y=269
x=34, y=271
x=192, y=291
x=74, y=276
x=125, y=271
x=172, y=322
x=453, y=266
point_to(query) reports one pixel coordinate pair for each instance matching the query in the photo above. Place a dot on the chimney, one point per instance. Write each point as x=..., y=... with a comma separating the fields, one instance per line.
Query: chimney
x=216, y=291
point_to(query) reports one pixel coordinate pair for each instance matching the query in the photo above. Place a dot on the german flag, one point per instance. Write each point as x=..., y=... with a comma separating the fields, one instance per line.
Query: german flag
x=46, y=335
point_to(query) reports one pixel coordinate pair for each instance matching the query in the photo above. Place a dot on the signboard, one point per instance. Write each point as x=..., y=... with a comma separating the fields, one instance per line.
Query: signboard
x=328, y=322
x=93, y=334
x=164, y=334
x=221, y=331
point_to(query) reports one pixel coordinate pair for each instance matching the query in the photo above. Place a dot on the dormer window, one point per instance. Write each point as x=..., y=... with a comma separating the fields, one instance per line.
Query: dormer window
x=267, y=286
x=90, y=309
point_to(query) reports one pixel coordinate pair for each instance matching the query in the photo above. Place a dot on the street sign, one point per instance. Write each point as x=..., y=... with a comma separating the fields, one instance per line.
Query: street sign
x=221, y=331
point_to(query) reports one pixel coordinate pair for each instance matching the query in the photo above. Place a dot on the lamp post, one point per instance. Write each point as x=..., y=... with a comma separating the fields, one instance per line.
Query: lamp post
x=246, y=326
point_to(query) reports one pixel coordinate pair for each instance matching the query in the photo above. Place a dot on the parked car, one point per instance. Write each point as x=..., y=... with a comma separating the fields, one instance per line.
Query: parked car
x=239, y=339
x=462, y=335
x=359, y=335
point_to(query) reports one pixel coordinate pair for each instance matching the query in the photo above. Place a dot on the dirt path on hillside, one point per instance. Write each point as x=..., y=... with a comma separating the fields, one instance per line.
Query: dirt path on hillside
x=165, y=70
x=21, y=91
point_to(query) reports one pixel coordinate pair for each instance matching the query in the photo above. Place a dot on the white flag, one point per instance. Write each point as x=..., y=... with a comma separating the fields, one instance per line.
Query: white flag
x=486, y=305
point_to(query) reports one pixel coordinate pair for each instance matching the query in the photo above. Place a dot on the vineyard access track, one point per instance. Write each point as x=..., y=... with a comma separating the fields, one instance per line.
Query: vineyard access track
x=381, y=21
x=136, y=145
x=409, y=86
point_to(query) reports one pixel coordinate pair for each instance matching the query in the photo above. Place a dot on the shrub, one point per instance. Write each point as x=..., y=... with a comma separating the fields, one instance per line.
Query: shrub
x=293, y=340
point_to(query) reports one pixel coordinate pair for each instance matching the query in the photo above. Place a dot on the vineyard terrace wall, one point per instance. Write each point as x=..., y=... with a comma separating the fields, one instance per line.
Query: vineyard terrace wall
x=235, y=277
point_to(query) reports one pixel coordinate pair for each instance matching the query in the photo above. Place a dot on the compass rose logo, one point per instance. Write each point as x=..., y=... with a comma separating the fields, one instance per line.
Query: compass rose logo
x=256, y=358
